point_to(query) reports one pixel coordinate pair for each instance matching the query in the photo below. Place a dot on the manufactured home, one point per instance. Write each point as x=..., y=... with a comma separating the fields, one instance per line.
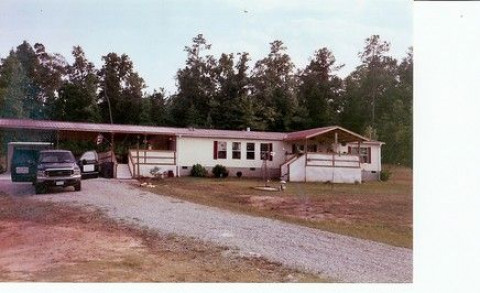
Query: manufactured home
x=327, y=154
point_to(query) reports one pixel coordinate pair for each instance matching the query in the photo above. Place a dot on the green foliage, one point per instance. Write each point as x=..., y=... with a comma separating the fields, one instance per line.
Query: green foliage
x=376, y=99
x=13, y=87
x=319, y=89
x=220, y=171
x=198, y=171
x=385, y=175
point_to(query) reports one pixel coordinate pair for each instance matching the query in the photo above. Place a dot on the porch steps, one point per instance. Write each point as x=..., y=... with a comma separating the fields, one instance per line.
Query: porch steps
x=123, y=172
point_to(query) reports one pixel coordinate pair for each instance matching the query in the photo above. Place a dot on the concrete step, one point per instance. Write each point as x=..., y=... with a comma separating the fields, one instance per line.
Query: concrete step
x=123, y=172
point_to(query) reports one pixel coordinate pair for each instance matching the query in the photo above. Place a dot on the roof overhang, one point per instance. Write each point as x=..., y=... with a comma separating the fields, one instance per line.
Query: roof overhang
x=48, y=125
x=327, y=134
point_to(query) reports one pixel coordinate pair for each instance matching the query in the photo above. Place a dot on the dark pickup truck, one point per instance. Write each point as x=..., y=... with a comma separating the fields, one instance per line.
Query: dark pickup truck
x=56, y=168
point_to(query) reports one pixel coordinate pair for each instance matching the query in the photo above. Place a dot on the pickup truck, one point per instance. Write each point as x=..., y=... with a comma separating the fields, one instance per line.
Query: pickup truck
x=56, y=168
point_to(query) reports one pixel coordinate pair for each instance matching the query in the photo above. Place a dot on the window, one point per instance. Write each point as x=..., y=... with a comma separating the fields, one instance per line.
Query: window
x=236, y=150
x=266, y=151
x=219, y=150
x=250, y=151
x=365, y=154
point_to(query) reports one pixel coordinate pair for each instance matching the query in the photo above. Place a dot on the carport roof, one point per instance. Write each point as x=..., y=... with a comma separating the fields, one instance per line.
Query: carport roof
x=80, y=126
x=136, y=129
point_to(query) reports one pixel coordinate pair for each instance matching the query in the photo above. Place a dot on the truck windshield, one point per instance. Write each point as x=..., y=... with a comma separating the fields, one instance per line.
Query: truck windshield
x=56, y=157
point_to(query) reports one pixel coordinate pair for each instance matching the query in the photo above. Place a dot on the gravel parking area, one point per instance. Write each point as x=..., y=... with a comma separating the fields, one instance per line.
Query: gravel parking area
x=344, y=259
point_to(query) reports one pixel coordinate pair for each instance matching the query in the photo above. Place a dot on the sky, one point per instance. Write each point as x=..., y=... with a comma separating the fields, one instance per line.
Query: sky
x=154, y=33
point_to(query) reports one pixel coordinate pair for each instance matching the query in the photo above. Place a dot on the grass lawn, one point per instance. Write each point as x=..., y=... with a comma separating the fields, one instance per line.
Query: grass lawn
x=379, y=211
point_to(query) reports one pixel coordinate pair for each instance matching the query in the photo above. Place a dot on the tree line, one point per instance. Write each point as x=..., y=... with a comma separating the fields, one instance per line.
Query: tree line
x=223, y=92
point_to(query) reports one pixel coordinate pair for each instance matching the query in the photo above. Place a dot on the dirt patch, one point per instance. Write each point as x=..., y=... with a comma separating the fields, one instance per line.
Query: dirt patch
x=53, y=242
x=31, y=247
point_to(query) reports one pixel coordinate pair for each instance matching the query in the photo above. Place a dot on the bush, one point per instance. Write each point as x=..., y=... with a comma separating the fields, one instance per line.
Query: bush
x=220, y=171
x=2, y=170
x=239, y=174
x=385, y=175
x=198, y=171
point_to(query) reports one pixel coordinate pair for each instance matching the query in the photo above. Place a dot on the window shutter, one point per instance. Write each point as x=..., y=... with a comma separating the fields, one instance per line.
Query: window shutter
x=215, y=149
x=270, y=147
x=369, y=159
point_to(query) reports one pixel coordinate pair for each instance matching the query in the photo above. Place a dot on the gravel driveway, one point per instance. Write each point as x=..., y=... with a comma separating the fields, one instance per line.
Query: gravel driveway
x=341, y=258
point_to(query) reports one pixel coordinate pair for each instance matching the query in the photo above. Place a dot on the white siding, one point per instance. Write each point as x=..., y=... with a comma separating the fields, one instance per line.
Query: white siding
x=323, y=171
x=192, y=151
x=297, y=170
x=334, y=175
x=376, y=162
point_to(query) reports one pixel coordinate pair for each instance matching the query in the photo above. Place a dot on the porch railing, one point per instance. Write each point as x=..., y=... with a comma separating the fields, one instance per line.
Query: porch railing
x=150, y=158
x=332, y=160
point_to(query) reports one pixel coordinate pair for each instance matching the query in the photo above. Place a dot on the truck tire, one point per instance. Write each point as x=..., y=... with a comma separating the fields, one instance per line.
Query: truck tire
x=78, y=186
x=39, y=188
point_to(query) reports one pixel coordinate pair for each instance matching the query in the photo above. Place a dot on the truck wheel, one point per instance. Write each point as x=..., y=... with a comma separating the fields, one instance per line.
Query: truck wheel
x=39, y=188
x=78, y=186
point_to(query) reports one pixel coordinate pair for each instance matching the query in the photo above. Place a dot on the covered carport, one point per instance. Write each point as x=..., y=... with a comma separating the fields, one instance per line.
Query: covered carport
x=114, y=141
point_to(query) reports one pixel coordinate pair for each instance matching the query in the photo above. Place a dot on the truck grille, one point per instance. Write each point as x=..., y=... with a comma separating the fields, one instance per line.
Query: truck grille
x=59, y=173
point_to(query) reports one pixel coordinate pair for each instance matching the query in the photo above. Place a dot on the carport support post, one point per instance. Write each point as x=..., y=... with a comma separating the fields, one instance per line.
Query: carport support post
x=112, y=146
x=113, y=158
x=305, y=151
x=138, y=156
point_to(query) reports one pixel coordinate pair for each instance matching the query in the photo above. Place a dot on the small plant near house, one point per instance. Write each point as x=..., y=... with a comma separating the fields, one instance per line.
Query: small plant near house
x=220, y=171
x=2, y=169
x=198, y=171
x=239, y=174
x=385, y=175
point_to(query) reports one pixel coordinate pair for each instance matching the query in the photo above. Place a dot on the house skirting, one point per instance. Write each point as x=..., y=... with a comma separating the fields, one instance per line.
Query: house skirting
x=273, y=173
x=370, y=175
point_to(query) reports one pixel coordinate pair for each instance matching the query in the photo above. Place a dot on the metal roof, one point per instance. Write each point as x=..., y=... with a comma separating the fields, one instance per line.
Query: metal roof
x=137, y=129
x=345, y=134
x=81, y=126
x=234, y=134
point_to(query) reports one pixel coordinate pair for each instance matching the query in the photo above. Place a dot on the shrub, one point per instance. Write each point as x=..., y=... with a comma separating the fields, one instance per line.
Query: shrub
x=239, y=174
x=198, y=171
x=220, y=171
x=2, y=170
x=385, y=175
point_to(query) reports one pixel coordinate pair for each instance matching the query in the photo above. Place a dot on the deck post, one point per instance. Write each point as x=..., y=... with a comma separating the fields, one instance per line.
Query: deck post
x=336, y=142
x=358, y=153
